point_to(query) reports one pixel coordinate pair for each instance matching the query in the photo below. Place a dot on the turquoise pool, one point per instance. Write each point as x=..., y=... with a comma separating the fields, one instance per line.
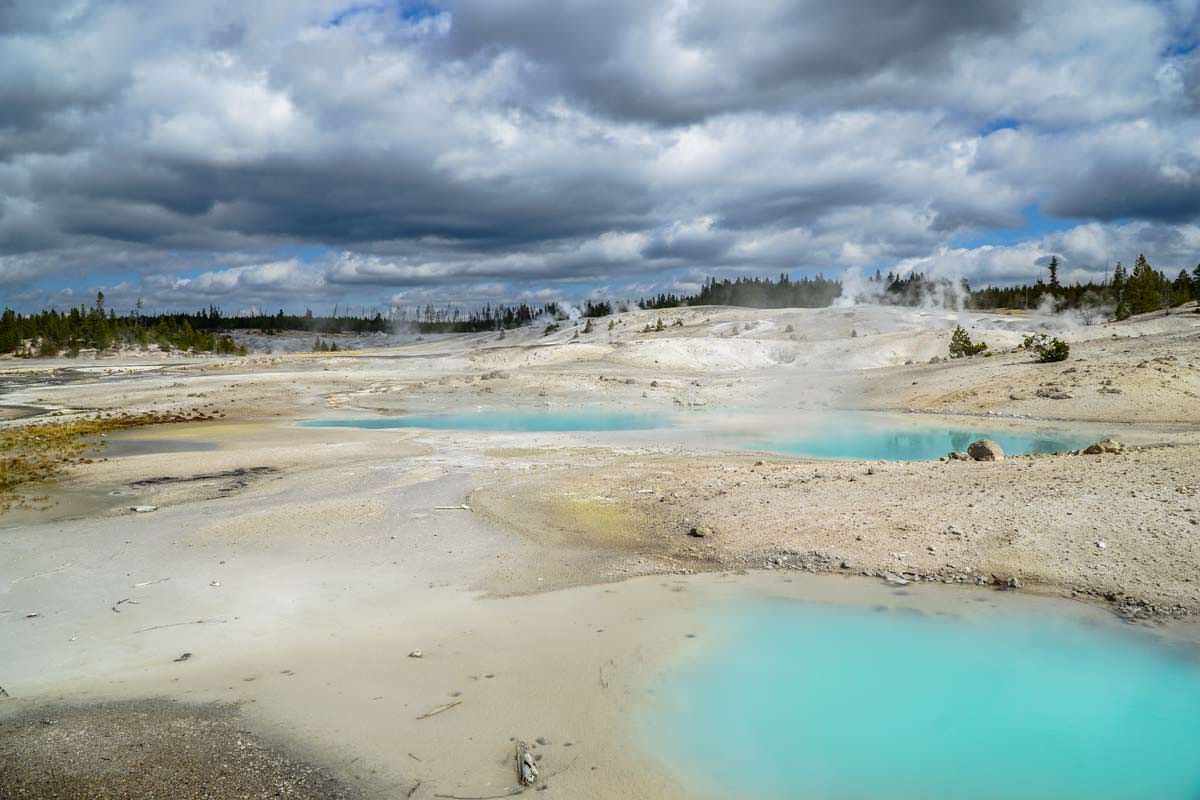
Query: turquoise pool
x=810, y=701
x=872, y=440
x=837, y=436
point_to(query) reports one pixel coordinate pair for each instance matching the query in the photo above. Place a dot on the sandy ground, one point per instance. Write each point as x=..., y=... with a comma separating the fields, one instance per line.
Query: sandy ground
x=300, y=567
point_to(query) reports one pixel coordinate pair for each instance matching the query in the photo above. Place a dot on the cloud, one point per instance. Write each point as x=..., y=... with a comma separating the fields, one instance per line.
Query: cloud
x=1085, y=252
x=527, y=145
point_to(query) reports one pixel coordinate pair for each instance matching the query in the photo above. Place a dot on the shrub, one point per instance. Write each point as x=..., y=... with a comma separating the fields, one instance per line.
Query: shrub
x=588, y=327
x=1048, y=349
x=961, y=345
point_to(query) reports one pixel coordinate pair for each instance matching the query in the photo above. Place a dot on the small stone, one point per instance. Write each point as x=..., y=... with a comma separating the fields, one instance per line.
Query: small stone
x=1101, y=545
x=700, y=531
x=143, y=509
x=415, y=653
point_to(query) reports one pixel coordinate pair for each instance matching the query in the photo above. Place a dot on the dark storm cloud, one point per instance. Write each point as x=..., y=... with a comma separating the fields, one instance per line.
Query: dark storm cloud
x=1131, y=190
x=632, y=58
x=178, y=149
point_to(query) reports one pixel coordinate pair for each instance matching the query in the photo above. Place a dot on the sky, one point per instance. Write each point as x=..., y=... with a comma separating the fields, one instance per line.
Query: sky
x=307, y=153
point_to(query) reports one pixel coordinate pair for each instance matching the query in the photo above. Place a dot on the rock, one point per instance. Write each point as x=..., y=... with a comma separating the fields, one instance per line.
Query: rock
x=143, y=509
x=957, y=456
x=1053, y=393
x=700, y=531
x=1101, y=545
x=1103, y=446
x=985, y=450
x=1020, y=396
x=415, y=653
x=527, y=771
x=894, y=580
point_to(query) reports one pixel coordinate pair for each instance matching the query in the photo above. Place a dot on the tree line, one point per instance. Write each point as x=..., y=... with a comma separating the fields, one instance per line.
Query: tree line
x=1129, y=292
x=785, y=292
x=52, y=332
x=1137, y=291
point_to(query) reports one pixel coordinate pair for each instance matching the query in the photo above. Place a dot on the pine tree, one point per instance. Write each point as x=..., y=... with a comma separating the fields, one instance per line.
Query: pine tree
x=1054, y=287
x=1181, y=289
x=961, y=345
x=1143, y=290
x=1119, y=280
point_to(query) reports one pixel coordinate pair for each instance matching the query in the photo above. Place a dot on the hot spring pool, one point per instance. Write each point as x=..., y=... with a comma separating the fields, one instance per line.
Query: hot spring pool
x=512, y=420
x=810, y=701
x=871, y=437
x=875, y=440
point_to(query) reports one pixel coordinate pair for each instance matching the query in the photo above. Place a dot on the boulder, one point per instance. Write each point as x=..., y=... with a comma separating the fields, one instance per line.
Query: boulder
x=985, y=450
x=1103, y=446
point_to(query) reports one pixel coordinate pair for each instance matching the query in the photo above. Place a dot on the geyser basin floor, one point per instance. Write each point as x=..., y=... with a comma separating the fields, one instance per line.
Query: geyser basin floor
x=810, y=700
x=511, y=420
